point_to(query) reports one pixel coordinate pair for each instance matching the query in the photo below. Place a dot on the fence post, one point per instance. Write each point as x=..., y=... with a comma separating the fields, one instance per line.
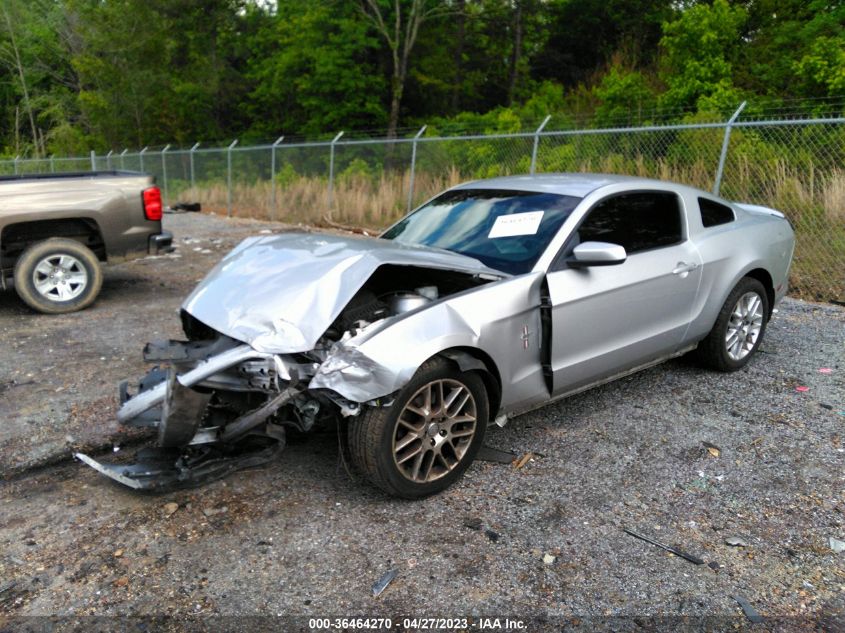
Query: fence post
x=191, y=155
x=141, y=157
x=229, y=178
x=52, y=163
x=537, y=143
x=413, y=167
x=93, y=161
x=122, y=158
x=164, y=171
x=331, y=169
x=16, y=164
x=108, y=160
x=724, y=153
x=273, y=177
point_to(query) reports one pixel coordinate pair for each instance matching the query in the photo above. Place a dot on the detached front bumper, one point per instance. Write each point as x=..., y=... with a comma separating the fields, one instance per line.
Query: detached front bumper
x=161, y=243
x=198, y=443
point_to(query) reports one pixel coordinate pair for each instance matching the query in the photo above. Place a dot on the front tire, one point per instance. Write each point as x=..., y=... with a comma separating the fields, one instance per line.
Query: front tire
x=58, y=275
x=739, y=328
x=424, y=442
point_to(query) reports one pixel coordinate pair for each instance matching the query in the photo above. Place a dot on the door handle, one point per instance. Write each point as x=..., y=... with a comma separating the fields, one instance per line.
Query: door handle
x=682, y=268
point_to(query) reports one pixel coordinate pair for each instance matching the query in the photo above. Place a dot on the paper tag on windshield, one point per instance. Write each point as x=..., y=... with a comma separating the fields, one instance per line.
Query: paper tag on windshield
x=516, y=224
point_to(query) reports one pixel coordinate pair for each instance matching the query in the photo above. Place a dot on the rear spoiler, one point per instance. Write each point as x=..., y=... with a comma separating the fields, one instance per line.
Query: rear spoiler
x=754, y=208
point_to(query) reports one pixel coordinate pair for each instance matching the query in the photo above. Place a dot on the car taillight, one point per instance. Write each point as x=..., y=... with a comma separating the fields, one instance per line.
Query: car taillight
x=152, y=203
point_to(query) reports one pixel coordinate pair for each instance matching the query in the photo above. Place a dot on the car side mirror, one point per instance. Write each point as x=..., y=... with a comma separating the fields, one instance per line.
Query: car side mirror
x=596, y=254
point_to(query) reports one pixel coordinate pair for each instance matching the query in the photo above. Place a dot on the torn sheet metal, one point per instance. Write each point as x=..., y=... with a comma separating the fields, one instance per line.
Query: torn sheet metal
x=207, y=433
x=280, y=293
x=162, y=469
x=150, y=398
x=492, y=318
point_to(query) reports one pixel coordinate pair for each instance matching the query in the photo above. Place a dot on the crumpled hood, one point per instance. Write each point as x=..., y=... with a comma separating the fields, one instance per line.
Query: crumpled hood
x=280, y=293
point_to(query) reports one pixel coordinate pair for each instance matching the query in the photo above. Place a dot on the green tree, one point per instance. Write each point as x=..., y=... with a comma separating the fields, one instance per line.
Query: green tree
x=313, y=67
x=820, y=70
x=823, y=67
x=41, y=85
x=697, y=52
x=792, y=48
x=625, y=97
x=583, y=35
x=398, y=24
x=153, y=71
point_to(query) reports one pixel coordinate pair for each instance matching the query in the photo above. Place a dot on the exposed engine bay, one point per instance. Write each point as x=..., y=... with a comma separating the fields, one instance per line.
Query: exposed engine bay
x=219, y=405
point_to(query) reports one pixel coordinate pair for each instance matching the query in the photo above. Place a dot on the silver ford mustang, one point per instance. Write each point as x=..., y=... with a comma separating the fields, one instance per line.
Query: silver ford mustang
x=492, y=299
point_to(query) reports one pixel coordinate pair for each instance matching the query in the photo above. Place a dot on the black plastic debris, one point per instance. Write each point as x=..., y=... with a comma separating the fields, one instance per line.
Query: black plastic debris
x=488, y=454
x=749, y=611
x=187, y=206
x=493, y=536
x=693, y=559
x=163, y=469
x=473, y=523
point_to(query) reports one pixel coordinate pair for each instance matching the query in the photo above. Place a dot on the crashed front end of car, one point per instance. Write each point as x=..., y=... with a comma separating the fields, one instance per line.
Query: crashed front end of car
x=274, y=335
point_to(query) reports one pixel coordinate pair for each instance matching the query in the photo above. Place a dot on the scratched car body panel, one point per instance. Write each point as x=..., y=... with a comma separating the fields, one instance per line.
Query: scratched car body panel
x=491, y=299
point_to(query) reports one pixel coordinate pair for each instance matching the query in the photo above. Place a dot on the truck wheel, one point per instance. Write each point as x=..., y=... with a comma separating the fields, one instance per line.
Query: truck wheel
x=425, y=441
x=739, y=328
x=58, y=275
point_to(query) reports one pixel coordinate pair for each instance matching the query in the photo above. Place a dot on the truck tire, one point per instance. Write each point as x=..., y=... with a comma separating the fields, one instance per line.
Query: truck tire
x=58, y=275
x=428, y=437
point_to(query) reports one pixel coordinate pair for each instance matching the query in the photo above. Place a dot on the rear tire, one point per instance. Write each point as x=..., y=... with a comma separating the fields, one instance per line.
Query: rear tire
x=739, y=328
x=424, y=442
x=58, y=275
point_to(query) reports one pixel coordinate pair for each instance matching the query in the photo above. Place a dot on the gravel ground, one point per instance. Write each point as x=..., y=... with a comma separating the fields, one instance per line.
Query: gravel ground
x=543, y=542
x=59, y=374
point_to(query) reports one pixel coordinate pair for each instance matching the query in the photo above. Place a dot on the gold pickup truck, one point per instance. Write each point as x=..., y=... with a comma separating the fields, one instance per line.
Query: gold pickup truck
x=55, y=229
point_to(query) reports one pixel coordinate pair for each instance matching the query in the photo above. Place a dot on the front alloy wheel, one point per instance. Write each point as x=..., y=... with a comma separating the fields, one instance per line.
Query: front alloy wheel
x=434, y=430
x=428, y=437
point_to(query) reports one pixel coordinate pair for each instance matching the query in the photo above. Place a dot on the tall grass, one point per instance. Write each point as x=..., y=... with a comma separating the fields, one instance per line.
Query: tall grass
x=358, y=201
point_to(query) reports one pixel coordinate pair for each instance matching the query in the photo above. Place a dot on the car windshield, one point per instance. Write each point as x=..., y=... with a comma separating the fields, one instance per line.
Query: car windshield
x=506, y=230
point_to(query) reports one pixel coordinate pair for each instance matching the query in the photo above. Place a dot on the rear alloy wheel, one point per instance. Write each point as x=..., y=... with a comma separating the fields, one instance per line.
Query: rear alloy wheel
x=744, y=326
x=429, y=436
x=739, y=327
x=58, y=275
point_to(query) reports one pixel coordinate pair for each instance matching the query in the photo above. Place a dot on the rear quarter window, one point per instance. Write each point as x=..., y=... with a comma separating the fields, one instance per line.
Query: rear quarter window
x=714, y=214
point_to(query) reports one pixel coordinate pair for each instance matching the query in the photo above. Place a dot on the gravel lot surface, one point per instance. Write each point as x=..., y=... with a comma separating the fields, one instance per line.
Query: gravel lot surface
x=543, y=541
x=59, y=374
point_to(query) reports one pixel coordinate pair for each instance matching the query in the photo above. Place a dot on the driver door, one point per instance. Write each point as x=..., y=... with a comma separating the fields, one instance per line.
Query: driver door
x=609, y=319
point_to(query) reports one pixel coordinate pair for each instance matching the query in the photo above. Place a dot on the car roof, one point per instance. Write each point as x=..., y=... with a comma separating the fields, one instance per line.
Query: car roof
x=569, y=184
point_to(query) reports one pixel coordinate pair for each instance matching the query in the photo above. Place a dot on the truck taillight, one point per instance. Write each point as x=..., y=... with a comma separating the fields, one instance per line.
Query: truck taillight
x=152, y=203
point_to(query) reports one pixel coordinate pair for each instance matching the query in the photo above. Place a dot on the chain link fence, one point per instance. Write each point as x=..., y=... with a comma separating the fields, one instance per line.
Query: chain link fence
x=794, y=165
